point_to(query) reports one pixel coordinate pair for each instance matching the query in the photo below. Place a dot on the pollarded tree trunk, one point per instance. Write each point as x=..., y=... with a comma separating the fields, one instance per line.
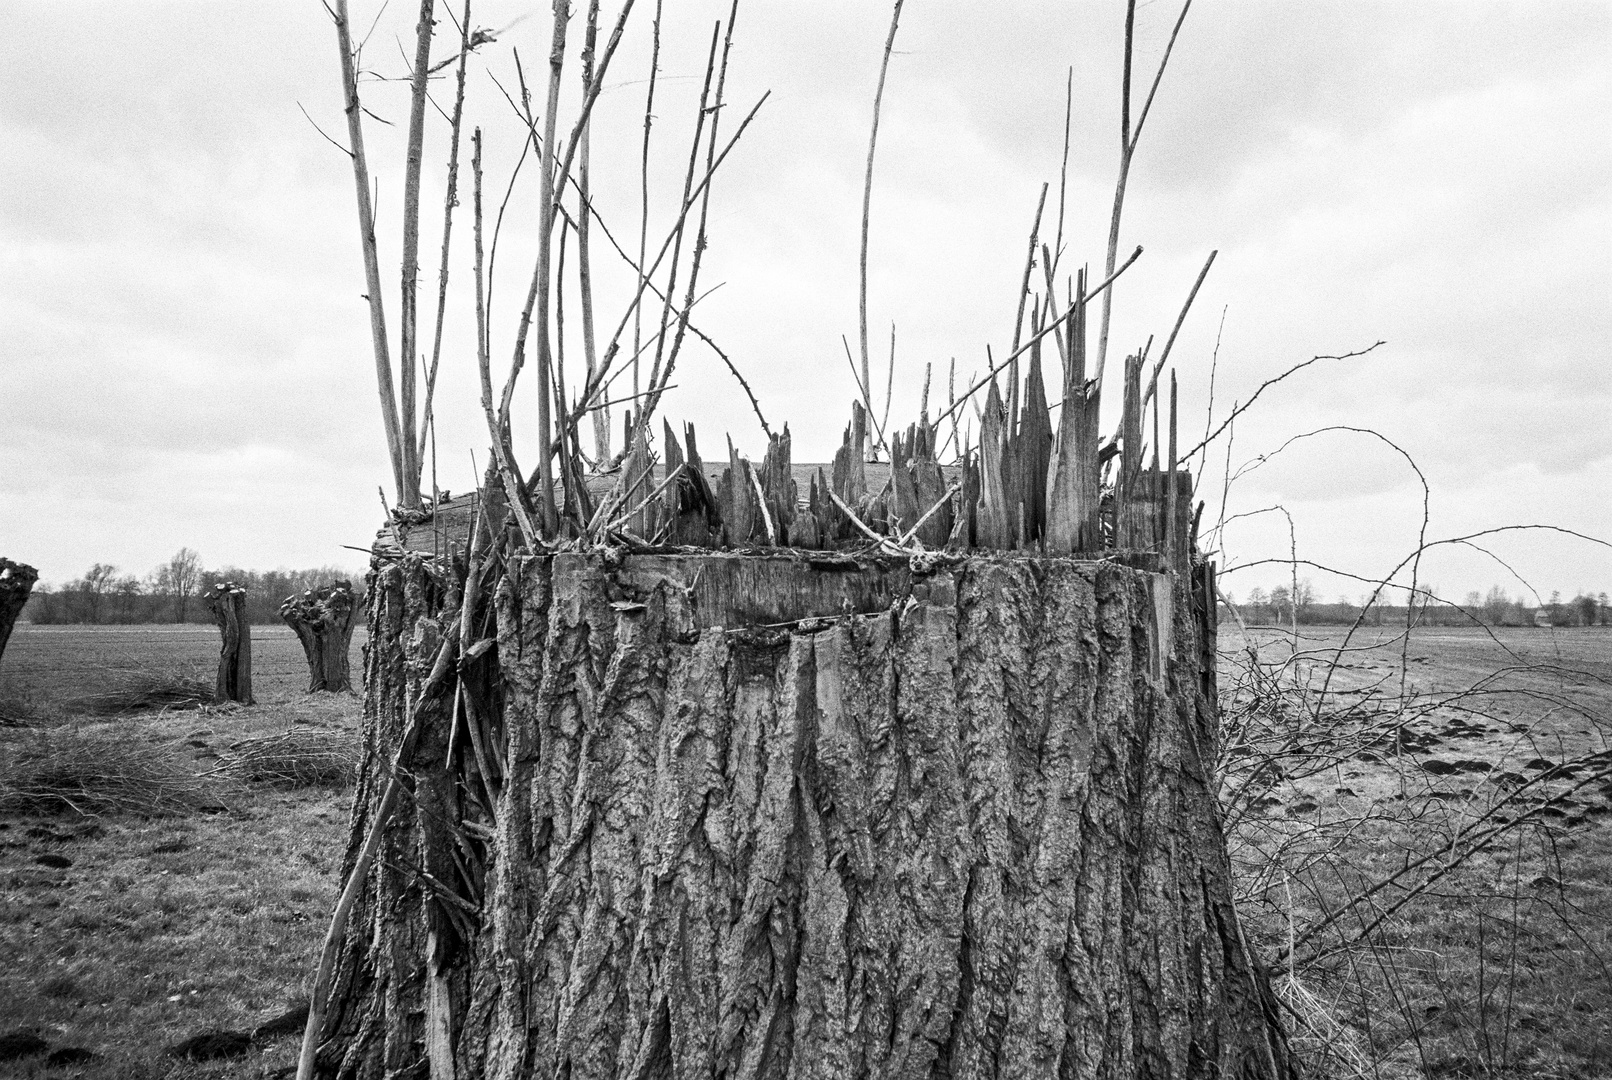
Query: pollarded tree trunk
x=788, y=817
x=227, y=601
x=16, y=582
x=323, y=621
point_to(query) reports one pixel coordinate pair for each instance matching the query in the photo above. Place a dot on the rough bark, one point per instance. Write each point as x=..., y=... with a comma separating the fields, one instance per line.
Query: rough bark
x=375, y=1024
x=743, y=816
x=323, y=621
x=227, y=601
x=16, y=583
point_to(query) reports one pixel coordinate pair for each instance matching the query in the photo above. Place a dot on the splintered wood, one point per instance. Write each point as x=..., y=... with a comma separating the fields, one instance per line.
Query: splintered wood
x=1037, y=480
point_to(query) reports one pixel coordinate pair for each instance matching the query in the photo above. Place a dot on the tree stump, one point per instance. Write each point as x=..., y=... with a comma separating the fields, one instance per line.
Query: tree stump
x=227, y=601
x=793, y=816
x=323, y=621
x=16, y=583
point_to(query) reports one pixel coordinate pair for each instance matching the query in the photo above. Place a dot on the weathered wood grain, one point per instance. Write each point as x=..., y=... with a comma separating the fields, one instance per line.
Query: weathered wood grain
x=959, y=824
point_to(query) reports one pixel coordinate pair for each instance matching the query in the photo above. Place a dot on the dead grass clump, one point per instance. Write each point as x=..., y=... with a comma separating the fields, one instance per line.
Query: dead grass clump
x=296, y=758
x=147, y=691
x=19, y=707
x=91, y=772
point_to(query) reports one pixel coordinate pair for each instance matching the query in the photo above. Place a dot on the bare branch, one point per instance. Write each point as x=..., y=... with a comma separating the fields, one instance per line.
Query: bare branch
x=372, y=267
x=1128, y=140
x=450, y=200
x=867, y=189
x=1243, y=406
x=643, y=221
x=409, y=497
x=1038, y=335
x=321, y=131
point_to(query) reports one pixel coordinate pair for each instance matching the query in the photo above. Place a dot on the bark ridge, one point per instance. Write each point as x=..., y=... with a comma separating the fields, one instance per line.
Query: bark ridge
x=966, y=831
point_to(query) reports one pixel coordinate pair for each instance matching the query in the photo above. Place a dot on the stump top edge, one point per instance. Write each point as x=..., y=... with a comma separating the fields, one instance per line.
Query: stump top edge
x=824, y=560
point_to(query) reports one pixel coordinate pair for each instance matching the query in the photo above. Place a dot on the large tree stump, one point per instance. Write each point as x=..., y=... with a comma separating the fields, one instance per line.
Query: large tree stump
x=227, y=601
x=787, y=817
x=323, y=621
x=16, y=583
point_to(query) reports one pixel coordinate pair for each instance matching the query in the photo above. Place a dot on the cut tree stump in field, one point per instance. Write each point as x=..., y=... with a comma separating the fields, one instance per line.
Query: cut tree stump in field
x=227, y=601
x=323, y=621
x=16, y=583
x=794, y=815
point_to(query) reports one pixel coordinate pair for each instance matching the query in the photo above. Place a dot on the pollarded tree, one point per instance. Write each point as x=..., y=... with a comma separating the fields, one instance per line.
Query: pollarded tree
x=227, y=601
x=323, y=620
x=16, y=582
x=766, y=771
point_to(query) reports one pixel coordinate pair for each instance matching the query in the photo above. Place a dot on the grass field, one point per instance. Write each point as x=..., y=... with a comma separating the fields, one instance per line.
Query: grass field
x=163, y=927
x=1421, y=833
x=1343, y=765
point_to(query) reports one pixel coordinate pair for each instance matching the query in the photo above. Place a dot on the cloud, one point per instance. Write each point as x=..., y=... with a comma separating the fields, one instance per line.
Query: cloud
x=180, y=274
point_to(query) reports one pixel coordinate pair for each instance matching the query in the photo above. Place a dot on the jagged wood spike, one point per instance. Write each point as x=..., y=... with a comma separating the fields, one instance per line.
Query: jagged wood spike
x=671, y=498
x=804, y=532
x=824, y=510
x=740, y=508
x=930, y=482
x=1073, y=488
x=905, y=508
x=777, y=480
x=993, y=523
x=1131, y=523
x=843, y=485
x=637, y=478
x=1035, y=453
x=696, y=470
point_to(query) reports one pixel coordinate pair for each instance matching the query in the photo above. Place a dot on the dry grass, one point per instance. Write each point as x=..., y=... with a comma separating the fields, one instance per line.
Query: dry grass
x=145, y=691
x=164, y=927
x=1428, y=862
x=19, y=706
x=296, y=758
x=105, y=769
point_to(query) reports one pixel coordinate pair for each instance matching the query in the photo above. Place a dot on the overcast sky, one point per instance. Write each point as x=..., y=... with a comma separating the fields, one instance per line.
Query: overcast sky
x=184, y=353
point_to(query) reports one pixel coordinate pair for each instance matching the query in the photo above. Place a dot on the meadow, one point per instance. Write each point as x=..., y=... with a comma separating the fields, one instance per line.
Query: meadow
x=1421, y=831
x=206, y=916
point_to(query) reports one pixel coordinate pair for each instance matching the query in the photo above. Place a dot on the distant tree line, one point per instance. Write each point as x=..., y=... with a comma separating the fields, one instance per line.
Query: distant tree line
x=1281, y=604
x=170, y=593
